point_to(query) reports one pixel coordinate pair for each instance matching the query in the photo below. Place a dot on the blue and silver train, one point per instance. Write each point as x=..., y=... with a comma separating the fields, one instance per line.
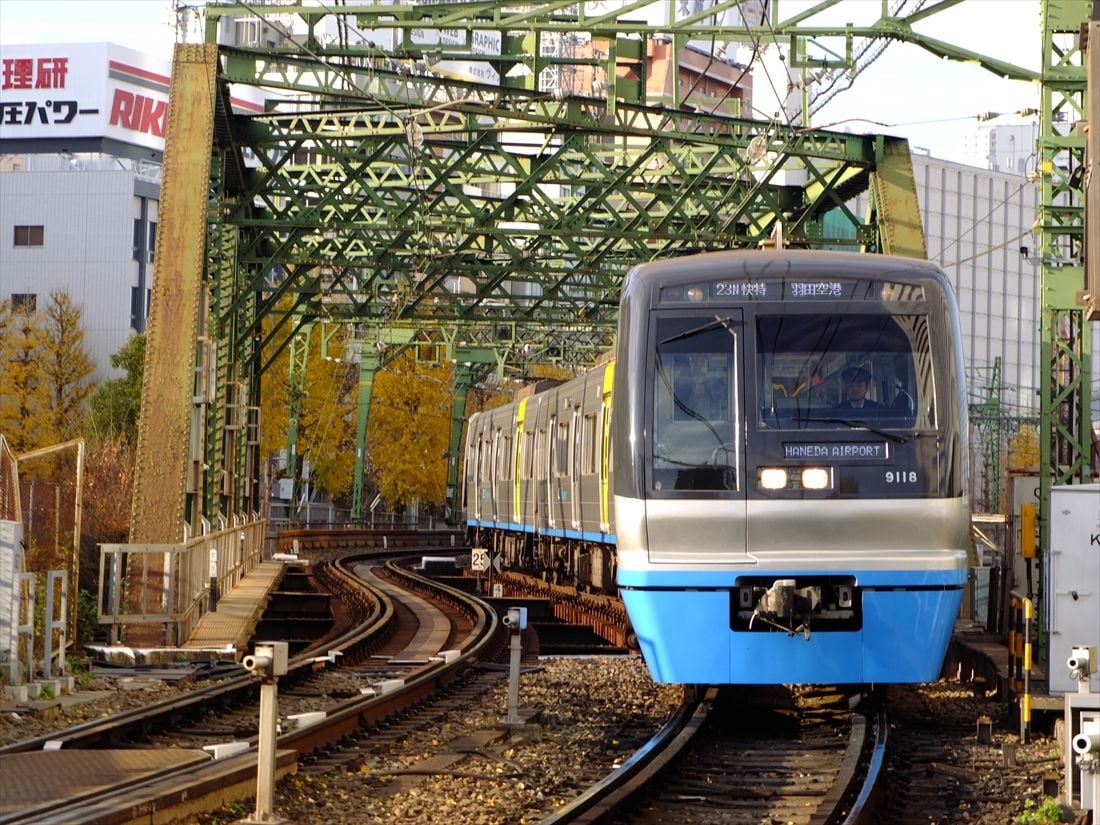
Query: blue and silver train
x=771, y=471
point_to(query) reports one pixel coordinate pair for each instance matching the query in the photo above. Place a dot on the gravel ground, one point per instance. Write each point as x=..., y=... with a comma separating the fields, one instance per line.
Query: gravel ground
x=99, y=698
x=592, y=713
x=939, y=773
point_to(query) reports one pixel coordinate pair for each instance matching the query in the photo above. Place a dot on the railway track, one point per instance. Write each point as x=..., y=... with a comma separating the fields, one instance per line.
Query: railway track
x=724, y=760
x=750, y=773
x=353, y=667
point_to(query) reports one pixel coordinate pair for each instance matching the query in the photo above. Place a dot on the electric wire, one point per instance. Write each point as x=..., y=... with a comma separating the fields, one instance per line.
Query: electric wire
x=987, y=250
x=1004, y=202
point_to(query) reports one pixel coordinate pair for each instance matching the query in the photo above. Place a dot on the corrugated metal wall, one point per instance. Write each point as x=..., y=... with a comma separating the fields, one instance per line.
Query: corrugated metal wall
x=977, y=223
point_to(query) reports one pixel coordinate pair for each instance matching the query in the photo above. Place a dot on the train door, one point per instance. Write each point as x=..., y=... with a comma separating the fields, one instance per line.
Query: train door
x=498, y=447
x=474, y=465
x=696, y=462
x=551, y=473
x=520, y=464
x=605, y=449
x=575, y=468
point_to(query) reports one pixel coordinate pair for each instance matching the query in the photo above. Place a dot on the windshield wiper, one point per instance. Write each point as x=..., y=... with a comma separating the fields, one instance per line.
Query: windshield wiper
x=723, y=322
x=859, y=423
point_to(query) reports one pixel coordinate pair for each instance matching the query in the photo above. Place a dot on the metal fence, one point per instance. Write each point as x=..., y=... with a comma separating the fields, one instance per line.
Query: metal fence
x=10, y=509
x=323, y=514
x=155, y=594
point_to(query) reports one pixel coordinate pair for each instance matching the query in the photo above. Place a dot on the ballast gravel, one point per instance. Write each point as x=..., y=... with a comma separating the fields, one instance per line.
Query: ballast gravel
x=587, y=716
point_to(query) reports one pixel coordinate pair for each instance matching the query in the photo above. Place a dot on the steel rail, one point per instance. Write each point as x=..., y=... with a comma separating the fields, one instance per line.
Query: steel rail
x=862, y=810
x=102, y=732
x=851, y=800
x=603, y=799
x=234, y=777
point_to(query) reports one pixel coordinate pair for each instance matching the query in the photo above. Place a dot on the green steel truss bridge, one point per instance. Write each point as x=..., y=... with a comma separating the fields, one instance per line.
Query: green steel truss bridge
x=492, y=223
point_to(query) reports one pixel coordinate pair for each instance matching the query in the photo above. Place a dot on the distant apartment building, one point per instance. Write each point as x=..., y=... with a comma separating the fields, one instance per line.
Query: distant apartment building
x=1002, y=148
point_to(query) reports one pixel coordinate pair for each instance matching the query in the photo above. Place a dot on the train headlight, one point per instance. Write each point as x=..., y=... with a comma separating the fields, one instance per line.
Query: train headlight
x=773, y=478
x=815, y=478
x=695, y=294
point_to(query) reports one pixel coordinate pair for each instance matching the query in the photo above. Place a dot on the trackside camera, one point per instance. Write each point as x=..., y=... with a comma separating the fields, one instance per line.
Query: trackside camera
x=267, y=659
x=515, y=619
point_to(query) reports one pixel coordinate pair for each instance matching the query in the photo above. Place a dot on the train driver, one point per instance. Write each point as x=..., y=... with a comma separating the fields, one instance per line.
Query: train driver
x=856, y=382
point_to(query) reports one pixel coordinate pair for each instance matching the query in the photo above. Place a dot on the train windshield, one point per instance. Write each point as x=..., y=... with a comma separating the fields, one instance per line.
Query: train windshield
x=696, y=402
x=845, y=371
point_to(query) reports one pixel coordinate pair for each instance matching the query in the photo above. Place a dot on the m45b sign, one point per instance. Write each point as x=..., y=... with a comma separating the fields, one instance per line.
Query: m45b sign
x=83, y=90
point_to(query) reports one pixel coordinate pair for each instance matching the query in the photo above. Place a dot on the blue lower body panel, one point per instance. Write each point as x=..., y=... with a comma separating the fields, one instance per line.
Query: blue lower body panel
x=686, y=635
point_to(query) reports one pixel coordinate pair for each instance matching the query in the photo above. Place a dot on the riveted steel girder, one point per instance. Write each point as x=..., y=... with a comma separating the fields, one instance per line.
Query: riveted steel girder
x=532, y=210
x=376, y=190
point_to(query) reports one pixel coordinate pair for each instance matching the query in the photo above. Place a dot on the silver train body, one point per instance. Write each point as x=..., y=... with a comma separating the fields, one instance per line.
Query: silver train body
x=758, y=528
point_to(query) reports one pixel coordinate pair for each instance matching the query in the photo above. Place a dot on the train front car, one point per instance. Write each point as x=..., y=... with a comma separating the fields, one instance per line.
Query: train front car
x=790, y=451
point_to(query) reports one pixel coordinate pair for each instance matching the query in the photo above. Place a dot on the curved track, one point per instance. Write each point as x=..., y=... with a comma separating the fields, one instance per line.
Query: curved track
x=408, y=681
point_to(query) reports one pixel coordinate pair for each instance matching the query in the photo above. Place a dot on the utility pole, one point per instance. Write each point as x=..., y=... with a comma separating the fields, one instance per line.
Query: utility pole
x=1092, y=175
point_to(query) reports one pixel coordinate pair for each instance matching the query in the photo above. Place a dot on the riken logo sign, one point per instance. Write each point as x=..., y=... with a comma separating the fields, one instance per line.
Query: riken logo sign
x=139, y=113
x=84, y=90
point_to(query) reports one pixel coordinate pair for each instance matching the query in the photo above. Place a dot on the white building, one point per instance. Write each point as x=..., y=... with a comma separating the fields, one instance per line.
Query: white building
x=81, y=138
x=1002, y=147
x=85, y=225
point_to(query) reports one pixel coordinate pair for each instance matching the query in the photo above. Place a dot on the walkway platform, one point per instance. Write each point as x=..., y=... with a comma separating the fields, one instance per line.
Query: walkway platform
x=52, y=781
x=32, y=779
x=983, y=659
x=238, y=612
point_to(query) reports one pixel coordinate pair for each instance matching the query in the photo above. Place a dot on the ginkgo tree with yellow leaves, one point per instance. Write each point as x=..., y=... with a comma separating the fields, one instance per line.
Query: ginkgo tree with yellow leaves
x=409, y=431
x=326, y=423
x=47, y=373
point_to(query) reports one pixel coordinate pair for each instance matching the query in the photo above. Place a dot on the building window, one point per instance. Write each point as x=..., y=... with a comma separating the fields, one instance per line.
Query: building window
x=25, y=303
x=152, y=245
x=139, y=239
x=28, y=236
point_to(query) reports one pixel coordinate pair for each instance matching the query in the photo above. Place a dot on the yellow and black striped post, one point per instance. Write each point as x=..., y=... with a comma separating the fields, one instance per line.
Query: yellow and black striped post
x=1015, y=642
x=1025, y=699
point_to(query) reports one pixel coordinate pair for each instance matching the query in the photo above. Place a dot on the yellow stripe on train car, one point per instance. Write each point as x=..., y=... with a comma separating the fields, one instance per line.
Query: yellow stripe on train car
x=605, y=451
x=521, y=411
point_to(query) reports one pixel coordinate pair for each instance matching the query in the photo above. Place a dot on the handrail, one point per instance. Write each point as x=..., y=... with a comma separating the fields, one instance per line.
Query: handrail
x=170, y=584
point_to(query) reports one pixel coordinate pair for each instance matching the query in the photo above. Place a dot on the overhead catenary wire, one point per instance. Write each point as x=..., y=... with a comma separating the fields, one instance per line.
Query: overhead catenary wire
x=823, y=96
x=1004, y=202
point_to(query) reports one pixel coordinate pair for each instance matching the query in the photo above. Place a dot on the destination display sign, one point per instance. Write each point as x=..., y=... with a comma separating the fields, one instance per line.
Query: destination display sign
x=836, y=450
x=793, y=289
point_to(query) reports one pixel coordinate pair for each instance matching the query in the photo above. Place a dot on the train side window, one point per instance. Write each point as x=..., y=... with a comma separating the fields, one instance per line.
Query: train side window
x=506, y=458
x=528, y=453
x=541, y=446
x=552, y=447
x=562, y=449
x=588, y=445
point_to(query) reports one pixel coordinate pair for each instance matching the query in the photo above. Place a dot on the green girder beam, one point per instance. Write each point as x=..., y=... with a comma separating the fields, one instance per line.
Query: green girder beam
x=376, y=191
x=1065, y=432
